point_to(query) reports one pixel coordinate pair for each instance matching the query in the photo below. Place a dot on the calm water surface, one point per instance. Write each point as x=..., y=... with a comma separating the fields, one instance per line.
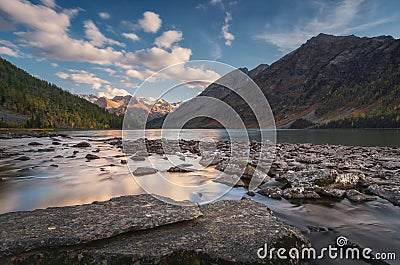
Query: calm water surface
x=357, y=137
x=55, y=179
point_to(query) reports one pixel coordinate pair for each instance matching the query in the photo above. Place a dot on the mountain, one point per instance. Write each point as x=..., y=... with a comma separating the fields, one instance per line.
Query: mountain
x=28, y=102
x=330, y=81
x=140, y=108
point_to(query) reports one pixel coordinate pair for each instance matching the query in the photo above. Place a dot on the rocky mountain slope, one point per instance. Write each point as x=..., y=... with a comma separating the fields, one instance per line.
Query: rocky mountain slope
x=141, y=107
x=345, y=80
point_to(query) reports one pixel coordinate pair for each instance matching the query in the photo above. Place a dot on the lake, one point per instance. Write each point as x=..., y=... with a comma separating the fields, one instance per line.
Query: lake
x=63, y=177
x=357, y=137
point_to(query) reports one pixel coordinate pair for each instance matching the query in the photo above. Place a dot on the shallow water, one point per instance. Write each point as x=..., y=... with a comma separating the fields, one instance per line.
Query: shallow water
x=356, y=137
x=36, y=183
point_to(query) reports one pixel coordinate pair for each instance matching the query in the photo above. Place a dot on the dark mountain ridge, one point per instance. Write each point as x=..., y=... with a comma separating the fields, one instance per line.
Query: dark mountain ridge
x=328, y=80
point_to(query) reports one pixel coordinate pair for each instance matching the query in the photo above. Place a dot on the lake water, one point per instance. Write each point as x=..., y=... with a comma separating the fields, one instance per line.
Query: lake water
x=60, y=177
x=357, y=137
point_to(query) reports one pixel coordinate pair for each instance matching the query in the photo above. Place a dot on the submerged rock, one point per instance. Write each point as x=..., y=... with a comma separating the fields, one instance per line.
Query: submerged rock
x=251, y=193
x=211, y=160
x=138, y=158
x=356, y=196
x=23, y=158
x=230, y=180
x=91, y=157
x=82, y=144
x=141, y=171
x=51, y=149
x=180, y=169
x=34, y=143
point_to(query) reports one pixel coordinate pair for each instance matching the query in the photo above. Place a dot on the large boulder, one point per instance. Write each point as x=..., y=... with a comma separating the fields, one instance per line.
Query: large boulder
x=155, y=232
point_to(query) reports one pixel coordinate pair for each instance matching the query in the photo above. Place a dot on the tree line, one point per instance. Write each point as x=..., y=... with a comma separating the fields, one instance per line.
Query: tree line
x=45, y=105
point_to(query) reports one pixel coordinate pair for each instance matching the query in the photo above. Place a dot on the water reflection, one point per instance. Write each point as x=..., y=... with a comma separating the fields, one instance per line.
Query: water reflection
x=356, y=137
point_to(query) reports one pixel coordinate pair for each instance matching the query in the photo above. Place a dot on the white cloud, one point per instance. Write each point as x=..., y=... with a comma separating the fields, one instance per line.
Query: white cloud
x=126, y=82
x=194, y=77
x=110, y=71
x=150, y=22
x=104, y=15
x=215, y=2
x=54, y=64
x=131, y=36
x=62, y=75
x=83, y=77
x=201, y=6
x=48, y=33
x=168, y=38
x=156, y=58
x=8, y=51
x=9, y=44
x=49, y=3
x=228, y=36
x=96, y=37
x=111, y=92
x=339, y=19
x=135, y=74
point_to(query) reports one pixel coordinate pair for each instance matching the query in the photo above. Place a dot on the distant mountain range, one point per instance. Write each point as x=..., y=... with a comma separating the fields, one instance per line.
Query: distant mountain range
x=139, y=107
x=328, y=82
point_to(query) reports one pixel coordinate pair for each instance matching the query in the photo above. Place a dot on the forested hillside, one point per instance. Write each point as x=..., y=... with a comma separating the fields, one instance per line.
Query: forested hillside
x=328, y=82
x=28, y=102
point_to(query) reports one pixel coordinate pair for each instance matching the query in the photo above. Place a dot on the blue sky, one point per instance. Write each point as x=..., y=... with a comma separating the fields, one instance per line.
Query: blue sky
x=110, y=47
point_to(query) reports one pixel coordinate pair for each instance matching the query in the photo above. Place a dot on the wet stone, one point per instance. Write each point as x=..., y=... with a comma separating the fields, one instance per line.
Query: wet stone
x=230, y=180
x=333, y=193
x=180, y=169
x=141, y=171
x=82, y=145
x=388, y=192
x=299, y=194
x=65, y=226
x=34, y=143
x=217, y=233
x=23, y=158
x=356, y=196
x=138, y=158
x=91, y=157
x=271, y=192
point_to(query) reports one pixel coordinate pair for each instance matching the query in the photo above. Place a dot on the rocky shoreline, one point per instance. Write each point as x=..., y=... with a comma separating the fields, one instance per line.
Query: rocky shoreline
x=298, y=171
x=144, y=230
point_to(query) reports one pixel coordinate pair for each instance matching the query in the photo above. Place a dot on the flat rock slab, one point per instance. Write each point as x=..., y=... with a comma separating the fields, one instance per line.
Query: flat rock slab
x=228, y=232
x=388, y=192
x=64, y=226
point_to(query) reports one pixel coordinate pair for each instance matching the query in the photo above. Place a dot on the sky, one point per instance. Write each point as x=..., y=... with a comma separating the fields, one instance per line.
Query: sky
x=110, y=48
